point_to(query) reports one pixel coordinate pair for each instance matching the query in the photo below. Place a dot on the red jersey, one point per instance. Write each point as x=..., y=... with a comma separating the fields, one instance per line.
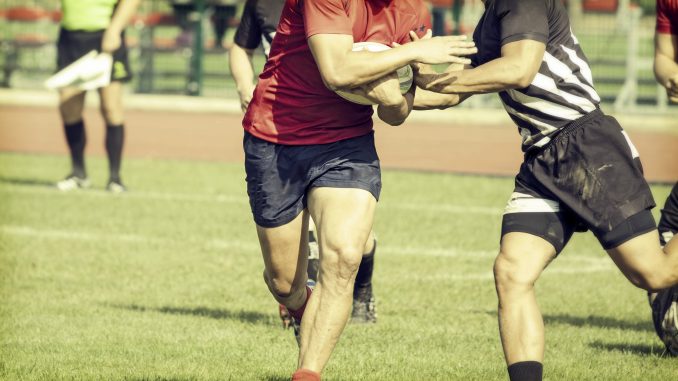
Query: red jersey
x=667, y=17
x=291, y=104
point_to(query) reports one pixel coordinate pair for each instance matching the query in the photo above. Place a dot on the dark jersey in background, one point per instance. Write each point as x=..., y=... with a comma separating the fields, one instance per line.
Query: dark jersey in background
x=258, y=24
x=562, y=90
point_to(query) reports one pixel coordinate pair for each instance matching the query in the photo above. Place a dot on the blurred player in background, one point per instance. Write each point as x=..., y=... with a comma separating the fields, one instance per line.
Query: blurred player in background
x=581, y=171
x=666, y=72
x=310, y=152
x=257, y=27
x=86, y=26
x=222, y=13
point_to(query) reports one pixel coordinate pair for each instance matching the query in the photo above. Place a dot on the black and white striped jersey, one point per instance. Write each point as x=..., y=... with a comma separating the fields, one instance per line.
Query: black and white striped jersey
x=562, y=90
x=258, y=24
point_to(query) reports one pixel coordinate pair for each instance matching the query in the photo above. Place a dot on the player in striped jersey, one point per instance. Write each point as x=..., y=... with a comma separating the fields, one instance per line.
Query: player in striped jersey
x=581, y=171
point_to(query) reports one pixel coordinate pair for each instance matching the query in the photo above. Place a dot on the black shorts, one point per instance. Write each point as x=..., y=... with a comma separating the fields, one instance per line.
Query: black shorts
x=280, y=176
x=668, y=223
x=72, y=45
x=589, y=177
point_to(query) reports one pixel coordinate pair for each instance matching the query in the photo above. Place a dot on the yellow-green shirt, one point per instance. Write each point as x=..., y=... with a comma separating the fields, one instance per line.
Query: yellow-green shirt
x=88, y=15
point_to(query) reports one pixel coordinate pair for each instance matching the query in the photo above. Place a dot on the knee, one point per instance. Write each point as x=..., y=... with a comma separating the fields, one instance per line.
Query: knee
x=511, y=275
x=70, y=113
x=340, y=262
x=279, y=285
x=112, y=115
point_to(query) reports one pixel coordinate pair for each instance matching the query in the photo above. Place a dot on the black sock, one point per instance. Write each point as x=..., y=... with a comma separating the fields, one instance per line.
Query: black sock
x=115, y=136
x=77, y=139
x=525, y=371
x=364, y=278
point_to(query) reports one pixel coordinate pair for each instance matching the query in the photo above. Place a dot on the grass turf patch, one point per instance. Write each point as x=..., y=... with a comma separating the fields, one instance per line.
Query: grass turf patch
x=164, y=283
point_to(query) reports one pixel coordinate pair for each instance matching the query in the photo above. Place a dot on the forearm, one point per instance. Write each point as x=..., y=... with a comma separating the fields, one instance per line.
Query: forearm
x=516, y=68
x=123, y=15
x=664, y=68
x=500, y=74
x=428, y=100
x=240, y=63
x=396, y=115
x=359, y=68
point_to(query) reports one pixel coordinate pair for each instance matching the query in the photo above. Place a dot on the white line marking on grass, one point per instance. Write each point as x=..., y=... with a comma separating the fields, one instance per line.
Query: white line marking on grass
x=163, y=196
x=582, y=264
x=451, y=252
x=242, y=200
x=488, y=275
x=445, y=208
x=26, y=231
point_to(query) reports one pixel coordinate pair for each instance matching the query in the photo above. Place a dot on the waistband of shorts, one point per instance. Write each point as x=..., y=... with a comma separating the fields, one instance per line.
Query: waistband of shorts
x=575, y=125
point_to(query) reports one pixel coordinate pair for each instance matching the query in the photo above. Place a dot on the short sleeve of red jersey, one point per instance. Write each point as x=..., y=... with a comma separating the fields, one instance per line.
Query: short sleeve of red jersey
x=326, y=17
x=422, y=23
x=667, y=17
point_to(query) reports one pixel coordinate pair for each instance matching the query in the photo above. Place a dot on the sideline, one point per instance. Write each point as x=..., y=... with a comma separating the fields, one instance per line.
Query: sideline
x=644, y=119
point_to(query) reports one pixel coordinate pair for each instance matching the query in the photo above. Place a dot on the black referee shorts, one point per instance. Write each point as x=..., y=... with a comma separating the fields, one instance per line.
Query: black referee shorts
x=589, y=177
x=72, y=45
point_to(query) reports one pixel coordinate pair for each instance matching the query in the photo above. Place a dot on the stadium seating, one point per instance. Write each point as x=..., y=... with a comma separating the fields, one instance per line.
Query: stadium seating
x=27, y=30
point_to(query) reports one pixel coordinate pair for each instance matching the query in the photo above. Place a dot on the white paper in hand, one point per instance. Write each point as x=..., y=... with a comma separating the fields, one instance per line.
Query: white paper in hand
x=91, y=71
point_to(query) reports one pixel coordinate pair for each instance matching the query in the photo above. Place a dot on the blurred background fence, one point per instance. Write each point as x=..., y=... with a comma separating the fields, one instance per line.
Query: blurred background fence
x=180, y=47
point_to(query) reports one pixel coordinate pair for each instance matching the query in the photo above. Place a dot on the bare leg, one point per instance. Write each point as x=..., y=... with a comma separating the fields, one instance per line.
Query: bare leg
x=71, y=104
x=521, y=260
x=645, y=264
x=284, y=250
x=343, y=218
x=111, y=103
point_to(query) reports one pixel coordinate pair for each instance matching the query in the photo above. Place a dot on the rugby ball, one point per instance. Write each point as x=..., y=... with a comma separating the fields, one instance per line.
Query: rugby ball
x=405, y=74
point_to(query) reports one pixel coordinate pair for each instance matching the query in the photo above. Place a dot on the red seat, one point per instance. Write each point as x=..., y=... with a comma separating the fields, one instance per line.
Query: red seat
x=159, y=19
x=27, y=14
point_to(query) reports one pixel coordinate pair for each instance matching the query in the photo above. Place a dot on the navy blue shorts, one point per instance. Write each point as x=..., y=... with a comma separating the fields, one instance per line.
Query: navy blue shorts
x=280, y=176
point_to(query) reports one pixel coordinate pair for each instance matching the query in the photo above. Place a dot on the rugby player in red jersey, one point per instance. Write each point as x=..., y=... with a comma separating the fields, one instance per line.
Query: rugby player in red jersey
x=308, y=151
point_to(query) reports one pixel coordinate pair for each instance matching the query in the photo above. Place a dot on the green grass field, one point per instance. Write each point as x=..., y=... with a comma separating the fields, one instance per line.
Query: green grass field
x=164, y=283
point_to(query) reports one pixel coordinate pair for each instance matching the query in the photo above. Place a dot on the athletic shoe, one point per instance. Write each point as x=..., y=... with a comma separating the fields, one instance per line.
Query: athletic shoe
x=364, y=307
x=72, y=182
x=115, y=187
x=665, y=318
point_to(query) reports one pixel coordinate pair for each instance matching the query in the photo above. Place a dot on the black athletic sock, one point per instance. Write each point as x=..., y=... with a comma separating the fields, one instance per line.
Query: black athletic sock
x=115, y=137
x=525, y=371
x=77, y=139
x=364, y=278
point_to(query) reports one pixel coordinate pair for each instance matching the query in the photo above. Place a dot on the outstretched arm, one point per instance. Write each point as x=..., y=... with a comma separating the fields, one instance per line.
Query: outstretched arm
x=342, y=68
x=516, y=68
x=429, y=100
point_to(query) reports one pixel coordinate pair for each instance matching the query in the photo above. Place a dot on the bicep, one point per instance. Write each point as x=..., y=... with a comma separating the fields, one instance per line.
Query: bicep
x=330, y=50
x=666, y=45
x=529, y=53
